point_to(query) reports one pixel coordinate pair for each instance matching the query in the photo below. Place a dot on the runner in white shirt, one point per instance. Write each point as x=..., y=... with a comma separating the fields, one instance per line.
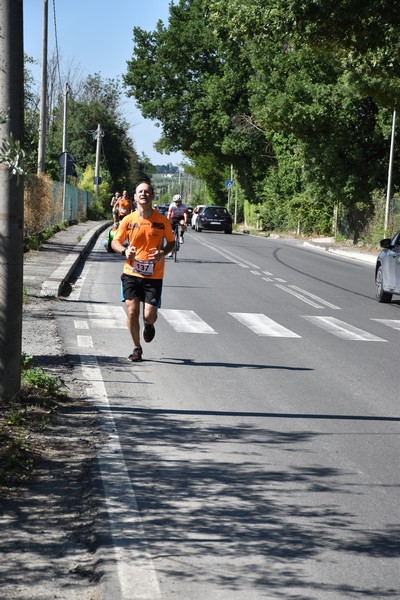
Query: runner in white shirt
x=177, y=213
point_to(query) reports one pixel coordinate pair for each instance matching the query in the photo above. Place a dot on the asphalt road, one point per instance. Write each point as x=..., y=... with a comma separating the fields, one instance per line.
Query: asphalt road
x=254, y=452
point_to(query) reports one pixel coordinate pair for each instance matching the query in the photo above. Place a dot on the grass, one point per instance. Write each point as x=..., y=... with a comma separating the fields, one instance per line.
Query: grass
x=29, y=413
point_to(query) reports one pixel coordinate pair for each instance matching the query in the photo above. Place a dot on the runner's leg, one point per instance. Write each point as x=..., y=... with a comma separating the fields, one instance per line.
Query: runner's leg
x=133, y=310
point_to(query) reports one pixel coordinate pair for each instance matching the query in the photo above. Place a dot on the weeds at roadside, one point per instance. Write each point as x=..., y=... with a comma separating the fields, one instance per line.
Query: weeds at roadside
x=20, y=419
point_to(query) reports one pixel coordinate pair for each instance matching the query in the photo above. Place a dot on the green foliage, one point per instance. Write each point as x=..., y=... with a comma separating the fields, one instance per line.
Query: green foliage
x=36, y=377
x=296, y=95
x=28, y=412
x=11, y=153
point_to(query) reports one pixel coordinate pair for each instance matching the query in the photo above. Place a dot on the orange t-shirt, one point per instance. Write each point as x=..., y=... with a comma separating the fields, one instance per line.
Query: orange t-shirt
x=124, y=207
x=145, y=234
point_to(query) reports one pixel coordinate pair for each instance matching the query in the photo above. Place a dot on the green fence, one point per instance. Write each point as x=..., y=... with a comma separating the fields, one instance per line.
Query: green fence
x=75, y=206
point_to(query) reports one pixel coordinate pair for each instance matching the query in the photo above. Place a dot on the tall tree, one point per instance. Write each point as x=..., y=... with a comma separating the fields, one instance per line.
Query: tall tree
x=181, y=77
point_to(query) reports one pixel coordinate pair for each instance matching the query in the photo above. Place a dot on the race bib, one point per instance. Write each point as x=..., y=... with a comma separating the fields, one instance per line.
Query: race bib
x=143, y=267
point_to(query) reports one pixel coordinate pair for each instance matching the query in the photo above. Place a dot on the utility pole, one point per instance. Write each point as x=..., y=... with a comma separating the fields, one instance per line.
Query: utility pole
x=389, y=184
x=43, y=94
x=99, y=135
x=11, y=197
x=64, y=150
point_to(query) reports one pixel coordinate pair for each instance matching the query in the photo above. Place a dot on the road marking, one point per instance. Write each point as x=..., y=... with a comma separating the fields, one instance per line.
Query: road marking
x=185, y=321
x=255, y=272
x=80, y=324
x=393, y=323
x=78, y=285
x=109, y=323
x=229, y=255
x=298, y=295
x=316, y=298
x=134, y=565
x=84, y=341
x=106, y=311
x=262, y=325
x=343, y=330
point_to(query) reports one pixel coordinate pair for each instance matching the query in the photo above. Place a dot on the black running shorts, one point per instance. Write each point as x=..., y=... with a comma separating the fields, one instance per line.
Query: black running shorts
x=147, y=290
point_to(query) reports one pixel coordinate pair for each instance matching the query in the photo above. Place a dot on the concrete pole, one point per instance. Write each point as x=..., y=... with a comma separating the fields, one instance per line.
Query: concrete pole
x=390, y=169
x=99, y=133
x=11, y=198
x=64, y=150
x=43, y=94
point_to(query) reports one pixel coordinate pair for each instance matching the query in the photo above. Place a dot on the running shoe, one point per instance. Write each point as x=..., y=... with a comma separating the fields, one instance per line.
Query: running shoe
x=148, y=332
x=136, y=355
x=181, y=240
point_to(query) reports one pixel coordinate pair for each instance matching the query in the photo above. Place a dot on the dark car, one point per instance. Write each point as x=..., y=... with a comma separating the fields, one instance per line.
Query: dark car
x=162, y=208
x=215, y=218
x=387, y=270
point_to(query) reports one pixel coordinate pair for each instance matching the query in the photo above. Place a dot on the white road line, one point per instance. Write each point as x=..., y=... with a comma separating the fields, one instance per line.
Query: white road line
x=255, y=272
x=106, y=311
x=84, y=341
x=80, y=324
x=240, y=259
x=316, y=298
x=268, y=273
x=280, y=279
x=267, y=279
x=263, y=325
x=78, y=285
x=298, y=295
x=135, y=569
x=229, y=255
x=185, y=321
x=343, y=330
x=393, y=323
x=109, y=323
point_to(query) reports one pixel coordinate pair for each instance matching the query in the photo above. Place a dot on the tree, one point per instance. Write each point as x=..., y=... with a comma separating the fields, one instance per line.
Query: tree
x=181, y=77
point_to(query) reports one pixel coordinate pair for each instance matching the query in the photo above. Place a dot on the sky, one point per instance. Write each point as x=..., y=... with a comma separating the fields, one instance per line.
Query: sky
x=95, y=36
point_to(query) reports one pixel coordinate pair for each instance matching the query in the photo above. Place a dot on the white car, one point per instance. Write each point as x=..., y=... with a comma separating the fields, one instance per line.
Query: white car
x=195, y=214
x=387, y=270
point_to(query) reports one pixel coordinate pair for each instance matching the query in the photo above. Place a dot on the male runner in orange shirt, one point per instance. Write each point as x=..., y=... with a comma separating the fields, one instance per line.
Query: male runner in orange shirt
x=142, y=277
x=123, y=206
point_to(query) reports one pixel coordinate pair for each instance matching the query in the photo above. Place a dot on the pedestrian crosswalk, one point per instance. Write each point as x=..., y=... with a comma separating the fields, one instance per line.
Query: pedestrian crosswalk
x=188, y=321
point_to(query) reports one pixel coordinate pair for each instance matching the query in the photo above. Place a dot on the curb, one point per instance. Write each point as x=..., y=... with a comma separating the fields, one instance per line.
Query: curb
x=350, y=254
x=53, y=286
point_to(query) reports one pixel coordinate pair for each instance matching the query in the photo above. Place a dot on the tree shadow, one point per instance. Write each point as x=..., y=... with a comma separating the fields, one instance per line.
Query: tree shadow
x=207, y=494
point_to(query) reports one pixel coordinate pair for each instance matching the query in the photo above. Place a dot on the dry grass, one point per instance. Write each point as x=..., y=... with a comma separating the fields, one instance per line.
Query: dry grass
x=41, y=207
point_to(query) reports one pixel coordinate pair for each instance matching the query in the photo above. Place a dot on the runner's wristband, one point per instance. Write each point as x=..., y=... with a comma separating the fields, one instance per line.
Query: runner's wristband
x=123, y=252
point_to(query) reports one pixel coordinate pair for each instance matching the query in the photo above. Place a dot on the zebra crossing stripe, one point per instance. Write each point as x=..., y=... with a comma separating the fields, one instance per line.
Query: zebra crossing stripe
x=186, y=321
x=343, y=330
x=107, y=317
x=393, y=323
x=262, y=325
x=106, y=312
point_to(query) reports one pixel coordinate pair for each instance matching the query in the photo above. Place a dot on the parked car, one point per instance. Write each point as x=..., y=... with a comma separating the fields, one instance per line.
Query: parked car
x=215, y=218
x=162, y=208
x=387, y=269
